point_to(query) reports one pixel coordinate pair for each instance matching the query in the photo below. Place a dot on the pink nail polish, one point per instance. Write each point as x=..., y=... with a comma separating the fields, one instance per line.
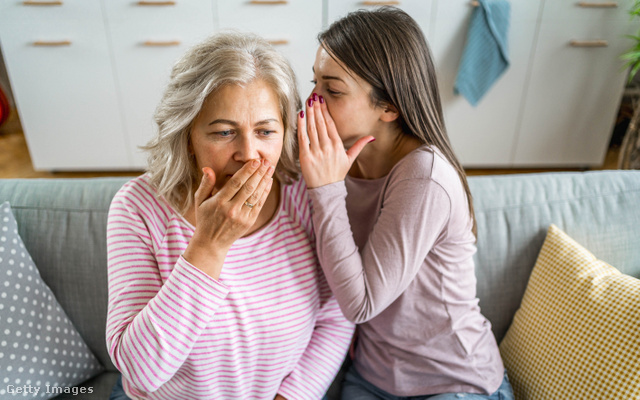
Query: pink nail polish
x=315, y=97
x=371, y=140
x=301, y=114
x=321, y=100
x=310, y=103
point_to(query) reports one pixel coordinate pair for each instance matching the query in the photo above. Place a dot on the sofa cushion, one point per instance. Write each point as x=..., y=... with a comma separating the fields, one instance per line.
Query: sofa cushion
x=576, y=332
x=63, y=224
x=39, y=346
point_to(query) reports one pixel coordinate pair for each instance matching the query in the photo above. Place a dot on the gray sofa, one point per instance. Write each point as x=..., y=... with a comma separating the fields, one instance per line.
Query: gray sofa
x=62, y=222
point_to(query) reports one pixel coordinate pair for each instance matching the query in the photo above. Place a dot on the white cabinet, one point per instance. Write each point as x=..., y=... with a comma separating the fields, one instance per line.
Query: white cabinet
x=146, y=40
x=60, y=69
x=291, y=26
x=420, y=10
x=555, y=105
x=87, y=92
x=485, y=134
x=575, y=86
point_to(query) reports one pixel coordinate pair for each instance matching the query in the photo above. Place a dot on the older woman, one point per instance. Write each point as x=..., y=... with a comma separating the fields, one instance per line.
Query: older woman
x=214, y=287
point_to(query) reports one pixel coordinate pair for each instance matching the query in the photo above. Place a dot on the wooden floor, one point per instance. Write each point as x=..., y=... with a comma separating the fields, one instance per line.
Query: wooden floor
x=15, y=161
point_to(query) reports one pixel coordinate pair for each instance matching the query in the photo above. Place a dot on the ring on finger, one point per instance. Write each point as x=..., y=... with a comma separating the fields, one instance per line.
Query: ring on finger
x=250, y=205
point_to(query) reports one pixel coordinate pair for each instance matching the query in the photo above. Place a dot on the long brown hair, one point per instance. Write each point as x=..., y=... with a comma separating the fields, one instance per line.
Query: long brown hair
x=387, y=49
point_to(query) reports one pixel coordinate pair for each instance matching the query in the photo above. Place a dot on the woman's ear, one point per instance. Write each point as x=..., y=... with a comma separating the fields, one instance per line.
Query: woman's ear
x=390, y=113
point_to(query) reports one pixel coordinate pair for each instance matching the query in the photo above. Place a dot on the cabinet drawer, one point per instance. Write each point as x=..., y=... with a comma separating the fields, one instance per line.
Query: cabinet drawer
x=573, y=95
x=38, y=10
x=484, y=135
x=291, y=25
x=144, y=52
x=421, y=10
x=65, y=95
x=160, y=11
x=586, y=11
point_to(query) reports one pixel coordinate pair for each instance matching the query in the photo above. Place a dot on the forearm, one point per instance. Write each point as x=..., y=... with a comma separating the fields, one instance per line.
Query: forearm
x=149, y=342
x=322, y=358
x=206, y=257
x=366, y=281
x=338, y=253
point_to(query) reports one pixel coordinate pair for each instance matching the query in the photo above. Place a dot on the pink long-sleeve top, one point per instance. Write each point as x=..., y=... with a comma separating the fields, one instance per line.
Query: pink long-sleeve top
x=268, y=325
x=397, y=252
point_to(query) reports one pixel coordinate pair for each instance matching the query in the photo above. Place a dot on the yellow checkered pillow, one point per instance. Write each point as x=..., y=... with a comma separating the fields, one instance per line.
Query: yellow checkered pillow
x=577, y=332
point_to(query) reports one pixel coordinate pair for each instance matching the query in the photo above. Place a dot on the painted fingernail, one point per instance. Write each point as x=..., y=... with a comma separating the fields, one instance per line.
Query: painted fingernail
x=315, y=97
x=372, y=140
x=321, y=100
x=310, y=102
x=301, y=114
x=255, y=163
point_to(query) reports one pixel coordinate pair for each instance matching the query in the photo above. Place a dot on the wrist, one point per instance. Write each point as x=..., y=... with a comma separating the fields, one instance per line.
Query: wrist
x=208, y=259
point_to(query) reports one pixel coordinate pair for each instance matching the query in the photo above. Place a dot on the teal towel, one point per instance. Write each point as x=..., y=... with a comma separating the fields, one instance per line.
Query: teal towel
x=485, y=56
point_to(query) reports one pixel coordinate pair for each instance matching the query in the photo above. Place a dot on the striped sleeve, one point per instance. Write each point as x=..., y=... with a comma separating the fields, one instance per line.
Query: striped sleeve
x=151, y=325
x=332, y=334
x=323, y=356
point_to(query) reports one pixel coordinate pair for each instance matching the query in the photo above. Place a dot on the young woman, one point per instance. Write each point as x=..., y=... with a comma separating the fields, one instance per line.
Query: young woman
x=393, y=217
x=214, y=287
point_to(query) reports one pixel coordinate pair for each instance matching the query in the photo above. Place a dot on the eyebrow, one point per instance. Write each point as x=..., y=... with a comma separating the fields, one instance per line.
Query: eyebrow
x=329, y=77
x=234, y=123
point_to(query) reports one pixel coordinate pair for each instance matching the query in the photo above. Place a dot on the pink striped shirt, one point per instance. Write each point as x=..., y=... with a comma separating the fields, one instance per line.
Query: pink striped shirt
x=268, y=326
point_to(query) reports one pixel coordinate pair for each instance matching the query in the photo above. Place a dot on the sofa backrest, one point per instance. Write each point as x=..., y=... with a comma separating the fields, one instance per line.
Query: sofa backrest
x=600, y=210
x=63, y=225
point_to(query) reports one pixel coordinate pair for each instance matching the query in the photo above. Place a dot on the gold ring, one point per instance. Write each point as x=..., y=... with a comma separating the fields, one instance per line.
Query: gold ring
x=246, y=203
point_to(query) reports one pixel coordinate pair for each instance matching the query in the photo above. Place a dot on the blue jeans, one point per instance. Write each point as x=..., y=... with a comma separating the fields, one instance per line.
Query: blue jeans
x=355, y=387
x=117, y=393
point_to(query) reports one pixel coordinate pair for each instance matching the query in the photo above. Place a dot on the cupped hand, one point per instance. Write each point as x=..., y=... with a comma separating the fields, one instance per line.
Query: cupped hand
x=323, y=159
x=223, y=217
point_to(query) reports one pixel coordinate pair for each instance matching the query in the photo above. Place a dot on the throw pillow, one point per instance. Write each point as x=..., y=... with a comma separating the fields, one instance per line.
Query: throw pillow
x=41, y=353
x=577, y=332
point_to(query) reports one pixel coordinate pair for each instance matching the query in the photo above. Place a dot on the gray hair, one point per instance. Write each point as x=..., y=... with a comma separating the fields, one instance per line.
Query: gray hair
x=222, y=59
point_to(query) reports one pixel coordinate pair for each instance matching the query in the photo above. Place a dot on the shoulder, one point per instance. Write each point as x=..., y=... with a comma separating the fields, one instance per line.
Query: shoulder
x=135, y=191
x=139, y=197
x=428, y=165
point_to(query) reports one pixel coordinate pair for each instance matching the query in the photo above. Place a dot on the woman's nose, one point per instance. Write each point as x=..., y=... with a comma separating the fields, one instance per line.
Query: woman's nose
x=248, y=149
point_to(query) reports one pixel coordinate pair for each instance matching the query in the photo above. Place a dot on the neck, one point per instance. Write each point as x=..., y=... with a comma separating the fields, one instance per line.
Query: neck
x=379, y=157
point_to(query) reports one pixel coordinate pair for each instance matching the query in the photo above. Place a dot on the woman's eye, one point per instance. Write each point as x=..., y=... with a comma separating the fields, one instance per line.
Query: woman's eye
x=315, y=82
x=267, y=133
x=223, y=133
x=333, y=92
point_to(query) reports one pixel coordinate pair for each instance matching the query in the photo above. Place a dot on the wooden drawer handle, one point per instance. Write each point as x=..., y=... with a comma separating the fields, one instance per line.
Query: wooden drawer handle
x=586, y=4
x=156, y=43
x=589, y=43
x=268, y=2
x=45, y=43
x=156, y=3
x=380, y=3
x=42, y=3
x=277, y=42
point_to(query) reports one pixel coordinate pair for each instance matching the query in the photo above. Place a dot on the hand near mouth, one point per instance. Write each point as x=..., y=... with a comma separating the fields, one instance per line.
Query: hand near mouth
x=224, y=216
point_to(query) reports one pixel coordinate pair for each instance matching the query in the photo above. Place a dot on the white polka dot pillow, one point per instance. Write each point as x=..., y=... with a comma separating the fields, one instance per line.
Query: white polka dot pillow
x=41, y=353
x=577, y=332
